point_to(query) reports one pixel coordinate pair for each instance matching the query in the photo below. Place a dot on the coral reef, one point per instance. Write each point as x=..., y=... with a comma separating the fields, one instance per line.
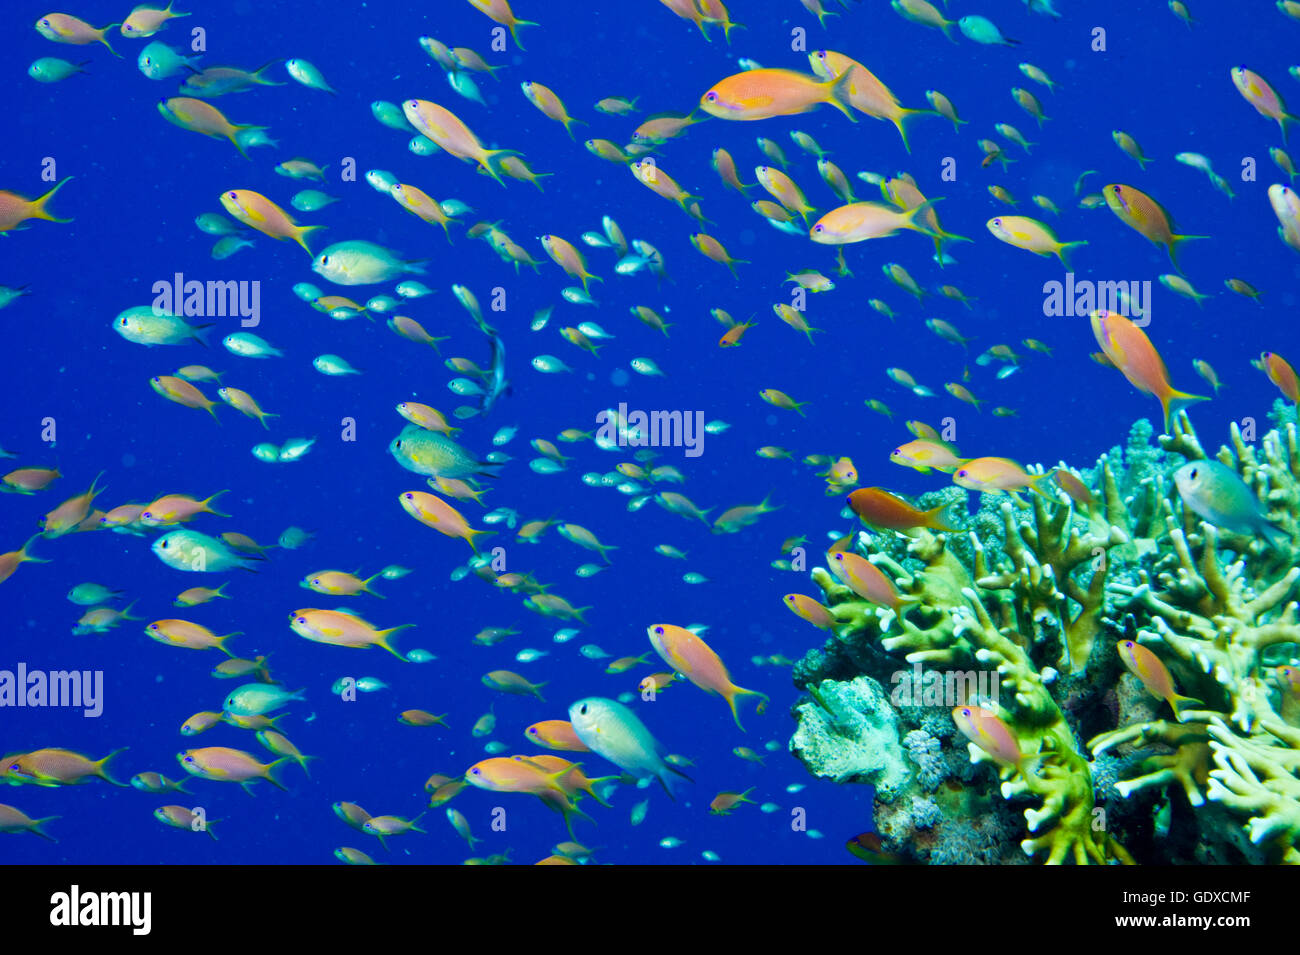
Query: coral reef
x=1036, y=599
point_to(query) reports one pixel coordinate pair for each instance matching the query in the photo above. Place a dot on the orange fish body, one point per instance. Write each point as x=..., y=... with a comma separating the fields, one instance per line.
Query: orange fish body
x=447, y=130
x=1143, y=214
x=556, y=734
x=14, y=209
x=1281, y=373
x=1128, y=349
x=880, y=509
x=762, y=94
x=499, y=11
x=1155, y=676
x=694, y=659
x=64, y=28
x=258, y=212
x=864, y=91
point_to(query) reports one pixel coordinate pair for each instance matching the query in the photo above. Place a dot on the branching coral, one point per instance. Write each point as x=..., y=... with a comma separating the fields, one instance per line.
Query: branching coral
x=1041, y=596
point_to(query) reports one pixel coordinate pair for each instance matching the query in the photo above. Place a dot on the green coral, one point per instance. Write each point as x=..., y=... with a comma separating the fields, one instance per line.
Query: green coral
x=1040, y=596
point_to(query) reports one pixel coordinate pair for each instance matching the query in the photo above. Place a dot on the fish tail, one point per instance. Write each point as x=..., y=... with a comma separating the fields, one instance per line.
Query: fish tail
x=1035, y=484
x=472, y=534
x=211, y=408
x=798, y=405
x=903, y=116
x=262, y=418
x=1062, y=251
x=299, y=233
x=37, y=830
x=741, y=691
x=221, y=641
x=491, y=161
x=101, y=767
x=1175, y=401
x=38, y=206
x=946, y=26
x=1176, y=701
x=269, y=775
x=383, y=639
x=27, y=557
x=257, y=73
x=209, y=501
x=1175, y=243
x=937, y=520
x=103, y=40
x=728, y=26
x=514, y=27
x=838, y=93
x=914, y=215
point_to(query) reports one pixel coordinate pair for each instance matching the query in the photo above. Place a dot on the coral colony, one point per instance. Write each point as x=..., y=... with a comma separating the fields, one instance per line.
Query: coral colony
x=1149, y=705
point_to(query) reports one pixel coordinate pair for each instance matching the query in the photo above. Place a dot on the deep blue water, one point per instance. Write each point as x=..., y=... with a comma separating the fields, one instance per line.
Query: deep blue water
x=139, y=183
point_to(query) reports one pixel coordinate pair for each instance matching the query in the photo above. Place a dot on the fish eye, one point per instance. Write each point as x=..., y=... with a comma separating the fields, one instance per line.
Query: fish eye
x=302, y=619
x=164, y=544
x=818, y=228
x=409, y=496
x=324, y=260
x=965, y=711
x=1193, y=474
x=582, y=711
x=659, y=630
x=711, y=96
x=476, y=771
x=961, y=473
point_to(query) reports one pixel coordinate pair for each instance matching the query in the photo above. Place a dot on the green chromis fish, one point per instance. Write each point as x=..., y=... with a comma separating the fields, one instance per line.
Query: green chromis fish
x=50, y=69
x=307, y=74
x=357, y=262
x=612, y=730
x=391, y=115
x=1217, y=494
x=435, y=455
x=255, y=699
x=144, y=326
x=193, y=551
x=310, y=200
x=158, y=61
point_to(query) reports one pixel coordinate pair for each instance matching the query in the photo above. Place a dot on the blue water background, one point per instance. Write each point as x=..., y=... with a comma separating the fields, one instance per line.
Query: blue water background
x=141, y=181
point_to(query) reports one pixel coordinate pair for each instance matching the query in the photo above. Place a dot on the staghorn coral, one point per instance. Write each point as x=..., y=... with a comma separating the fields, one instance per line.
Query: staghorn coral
x=1040, y=596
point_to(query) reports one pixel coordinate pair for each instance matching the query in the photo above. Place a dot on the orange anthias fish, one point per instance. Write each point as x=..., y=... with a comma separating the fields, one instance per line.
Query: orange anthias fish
x=1257, y=92
x=762, y=94
x=880, y=509
x=865, y=91
x=998, y=476
x=201, y=117
x=1143, y=214
x=499, y=10
x=556, y=734
x=258, y=212
x=1155, y=676
x=1128, y=349
x=987, y=731
x=15, y=210
x=64, y=28
x=925, y=453
x=1281, y=373
x=868, y=581
x=694, y=659
x=447, y=130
